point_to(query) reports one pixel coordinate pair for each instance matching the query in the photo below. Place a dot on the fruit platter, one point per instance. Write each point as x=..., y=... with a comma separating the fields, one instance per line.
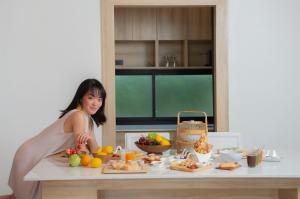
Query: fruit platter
x=77, y=158
x=106, y=154
x=153, y=143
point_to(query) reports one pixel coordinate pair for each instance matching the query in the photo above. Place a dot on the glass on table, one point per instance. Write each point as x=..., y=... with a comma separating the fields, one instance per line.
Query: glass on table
x=130, y=155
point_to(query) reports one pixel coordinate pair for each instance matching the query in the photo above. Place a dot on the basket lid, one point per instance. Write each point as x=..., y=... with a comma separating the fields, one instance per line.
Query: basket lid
x=192, y=125
x=192, y=122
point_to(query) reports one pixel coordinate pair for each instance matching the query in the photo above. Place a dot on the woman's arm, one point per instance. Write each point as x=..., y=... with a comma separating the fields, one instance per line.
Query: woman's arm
x=92, y=143
x=78, y=126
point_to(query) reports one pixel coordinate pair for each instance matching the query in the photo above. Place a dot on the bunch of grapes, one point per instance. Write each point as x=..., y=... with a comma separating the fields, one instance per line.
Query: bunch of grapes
x=147, y=141
x=142, y=141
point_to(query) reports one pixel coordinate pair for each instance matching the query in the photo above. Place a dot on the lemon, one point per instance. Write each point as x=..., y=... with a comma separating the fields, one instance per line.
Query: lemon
x=96, y=163
x=108, y=149
x=102, y=153
x=165, y=142
x=99, y=150
x=158, y=138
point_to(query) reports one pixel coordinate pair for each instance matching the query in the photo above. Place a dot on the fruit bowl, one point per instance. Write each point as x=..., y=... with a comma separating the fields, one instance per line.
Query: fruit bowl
x=159, y=149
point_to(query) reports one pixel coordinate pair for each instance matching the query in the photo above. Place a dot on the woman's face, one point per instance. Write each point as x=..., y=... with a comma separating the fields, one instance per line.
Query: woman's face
x=91, y=102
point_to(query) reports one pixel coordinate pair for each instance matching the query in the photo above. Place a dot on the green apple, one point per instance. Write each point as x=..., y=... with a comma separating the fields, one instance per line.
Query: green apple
x=74, y=160
x=152, y=135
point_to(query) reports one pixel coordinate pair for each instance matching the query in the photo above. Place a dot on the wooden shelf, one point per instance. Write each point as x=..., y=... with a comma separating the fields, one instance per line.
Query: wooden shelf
x=200, y=53
x=171, y=48
x=135, y=53
x=164, y=68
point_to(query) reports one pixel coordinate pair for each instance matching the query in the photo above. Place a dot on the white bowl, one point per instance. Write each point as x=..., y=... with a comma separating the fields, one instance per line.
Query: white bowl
x=203, y=158
x=230, y=156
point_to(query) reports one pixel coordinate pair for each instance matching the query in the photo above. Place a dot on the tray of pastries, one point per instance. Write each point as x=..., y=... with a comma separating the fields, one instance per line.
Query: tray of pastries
x=228, y=165
x=149, y=158
x=189, y=165
x=119, y=166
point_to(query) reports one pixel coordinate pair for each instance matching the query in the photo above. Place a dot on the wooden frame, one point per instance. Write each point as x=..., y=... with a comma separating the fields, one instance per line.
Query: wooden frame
x=108, y=57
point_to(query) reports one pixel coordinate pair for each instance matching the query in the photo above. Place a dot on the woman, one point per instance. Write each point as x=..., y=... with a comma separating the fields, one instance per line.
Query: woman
x=74, y=126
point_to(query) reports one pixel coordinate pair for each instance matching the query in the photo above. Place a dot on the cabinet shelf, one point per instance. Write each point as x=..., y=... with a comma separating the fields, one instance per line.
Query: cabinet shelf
x=166, y=68
x=171, y=48
x=200, y=53
x=135, y=53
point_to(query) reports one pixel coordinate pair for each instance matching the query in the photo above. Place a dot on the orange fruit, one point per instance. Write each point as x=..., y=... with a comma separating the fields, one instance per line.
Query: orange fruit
x=130, y=156
x=96, y=163
x=85, y=160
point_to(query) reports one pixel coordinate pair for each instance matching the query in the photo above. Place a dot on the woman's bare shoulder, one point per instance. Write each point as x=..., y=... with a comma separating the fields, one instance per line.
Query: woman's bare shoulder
x=77, y=116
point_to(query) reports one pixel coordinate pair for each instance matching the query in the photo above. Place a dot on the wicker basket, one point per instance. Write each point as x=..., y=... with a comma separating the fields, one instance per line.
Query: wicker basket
x=188, y=132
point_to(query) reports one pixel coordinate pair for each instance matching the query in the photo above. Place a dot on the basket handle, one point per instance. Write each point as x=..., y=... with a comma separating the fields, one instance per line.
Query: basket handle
x=192, y=111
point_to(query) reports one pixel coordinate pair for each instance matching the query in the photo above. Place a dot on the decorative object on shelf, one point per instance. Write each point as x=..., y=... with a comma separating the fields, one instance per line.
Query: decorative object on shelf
x=169, y=61
x=173, y=61
x=166, y=60
x=119, y=62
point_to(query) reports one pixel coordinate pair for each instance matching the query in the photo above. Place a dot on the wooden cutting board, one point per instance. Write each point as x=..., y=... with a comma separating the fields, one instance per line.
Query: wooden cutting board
x=109, y=170
x=182, y=168
x=235, y=166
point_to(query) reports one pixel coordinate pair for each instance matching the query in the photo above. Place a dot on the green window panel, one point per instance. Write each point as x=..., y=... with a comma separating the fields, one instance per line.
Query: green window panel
x=134, y=96
x=183, y=92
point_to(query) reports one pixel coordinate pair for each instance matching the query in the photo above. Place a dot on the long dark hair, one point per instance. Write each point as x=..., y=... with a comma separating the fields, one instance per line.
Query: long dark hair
x=93, y=86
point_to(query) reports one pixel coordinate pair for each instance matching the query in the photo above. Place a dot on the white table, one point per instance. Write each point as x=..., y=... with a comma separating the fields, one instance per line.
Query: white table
x=268, y=180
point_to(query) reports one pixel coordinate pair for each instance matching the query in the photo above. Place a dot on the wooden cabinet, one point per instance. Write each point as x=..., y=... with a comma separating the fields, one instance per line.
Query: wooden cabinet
x=171, y=24
x=135, y=23
x=144, y=23
x=123, y=24
x=145, y=37
x=200, y=23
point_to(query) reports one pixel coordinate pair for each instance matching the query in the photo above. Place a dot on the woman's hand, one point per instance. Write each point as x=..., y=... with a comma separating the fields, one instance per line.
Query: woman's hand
x=83, y=138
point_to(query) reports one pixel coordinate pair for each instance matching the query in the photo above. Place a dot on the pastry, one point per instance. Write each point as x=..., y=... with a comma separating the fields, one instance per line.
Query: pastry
x=228, y=165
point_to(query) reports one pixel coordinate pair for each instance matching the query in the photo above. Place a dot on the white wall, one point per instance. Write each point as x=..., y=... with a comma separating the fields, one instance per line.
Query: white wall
x=48, y=47
x=264, y=69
